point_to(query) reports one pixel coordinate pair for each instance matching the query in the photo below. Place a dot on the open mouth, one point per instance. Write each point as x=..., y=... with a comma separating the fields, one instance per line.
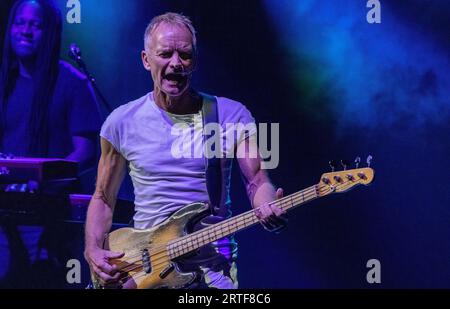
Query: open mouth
x=175, y=77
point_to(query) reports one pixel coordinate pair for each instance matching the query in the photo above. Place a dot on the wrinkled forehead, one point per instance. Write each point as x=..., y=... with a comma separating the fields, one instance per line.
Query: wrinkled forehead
x=167, y=35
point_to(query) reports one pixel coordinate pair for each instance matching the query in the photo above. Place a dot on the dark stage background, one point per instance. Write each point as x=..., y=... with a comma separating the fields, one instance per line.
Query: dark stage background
x=339, y=87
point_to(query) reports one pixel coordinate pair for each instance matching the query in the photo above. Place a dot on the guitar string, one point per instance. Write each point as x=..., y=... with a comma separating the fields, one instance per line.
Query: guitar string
x=163, y=247
x=156, y=262
x=283, y=203
x=176, y=245
x=143, y=273
x=280, y=201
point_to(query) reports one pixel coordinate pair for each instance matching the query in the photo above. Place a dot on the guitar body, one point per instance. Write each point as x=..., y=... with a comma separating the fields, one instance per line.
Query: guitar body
x=153, y=267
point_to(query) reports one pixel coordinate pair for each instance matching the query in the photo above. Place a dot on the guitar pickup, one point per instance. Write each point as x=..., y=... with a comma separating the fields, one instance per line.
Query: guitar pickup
x=146, y=265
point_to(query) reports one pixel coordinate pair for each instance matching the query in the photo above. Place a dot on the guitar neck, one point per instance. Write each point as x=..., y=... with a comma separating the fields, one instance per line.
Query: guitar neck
x=235, y=224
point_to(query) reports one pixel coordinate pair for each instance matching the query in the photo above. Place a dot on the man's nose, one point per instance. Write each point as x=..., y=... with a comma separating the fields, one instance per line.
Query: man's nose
x=175, y=61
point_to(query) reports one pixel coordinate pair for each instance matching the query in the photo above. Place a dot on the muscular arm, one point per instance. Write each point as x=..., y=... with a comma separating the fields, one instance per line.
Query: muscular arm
x=111, y=170
x=259, y=188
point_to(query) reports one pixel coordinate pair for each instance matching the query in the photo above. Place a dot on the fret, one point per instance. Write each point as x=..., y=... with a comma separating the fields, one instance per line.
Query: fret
x=210, y=234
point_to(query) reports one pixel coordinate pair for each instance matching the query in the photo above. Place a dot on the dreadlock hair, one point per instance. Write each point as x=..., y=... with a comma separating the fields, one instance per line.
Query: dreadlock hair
x=44, y=76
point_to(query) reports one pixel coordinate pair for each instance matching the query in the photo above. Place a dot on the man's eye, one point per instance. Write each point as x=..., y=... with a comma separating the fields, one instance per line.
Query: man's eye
x=185, y=56
x=165, y=54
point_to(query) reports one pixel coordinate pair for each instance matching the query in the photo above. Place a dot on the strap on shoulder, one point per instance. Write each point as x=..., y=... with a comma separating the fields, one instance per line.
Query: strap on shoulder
x=213, y=164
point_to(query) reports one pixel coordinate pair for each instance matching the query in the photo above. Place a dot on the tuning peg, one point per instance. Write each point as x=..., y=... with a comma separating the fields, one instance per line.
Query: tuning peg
x=332, y=164
x=344, y=164
x=357, y=161
x=369, y=160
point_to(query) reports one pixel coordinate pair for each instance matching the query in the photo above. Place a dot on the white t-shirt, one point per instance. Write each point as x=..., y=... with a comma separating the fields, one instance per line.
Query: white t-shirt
x=167, y=168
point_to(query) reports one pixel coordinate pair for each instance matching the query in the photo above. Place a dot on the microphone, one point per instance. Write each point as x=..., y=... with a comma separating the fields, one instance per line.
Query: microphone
x=186, y=73
x=75, y=55
x=182, y=73
x=75, y=52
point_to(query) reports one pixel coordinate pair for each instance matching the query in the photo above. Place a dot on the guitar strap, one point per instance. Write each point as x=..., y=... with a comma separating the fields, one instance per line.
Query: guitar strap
x=213, y=164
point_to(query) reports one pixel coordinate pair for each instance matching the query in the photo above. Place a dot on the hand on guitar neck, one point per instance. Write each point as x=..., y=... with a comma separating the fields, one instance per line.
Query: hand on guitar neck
x=271, y=216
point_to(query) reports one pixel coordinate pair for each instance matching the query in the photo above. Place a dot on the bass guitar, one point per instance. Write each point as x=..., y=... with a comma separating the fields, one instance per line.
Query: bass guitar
x=150, y=256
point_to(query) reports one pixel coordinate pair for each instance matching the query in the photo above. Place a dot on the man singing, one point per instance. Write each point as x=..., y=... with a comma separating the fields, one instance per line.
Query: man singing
x=141, y=133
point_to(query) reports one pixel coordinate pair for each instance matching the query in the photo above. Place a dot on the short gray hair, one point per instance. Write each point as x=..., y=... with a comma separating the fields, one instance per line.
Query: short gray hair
x=173, y=19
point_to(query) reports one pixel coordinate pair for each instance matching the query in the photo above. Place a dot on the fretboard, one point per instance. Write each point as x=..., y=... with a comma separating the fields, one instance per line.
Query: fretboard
x=232, y=225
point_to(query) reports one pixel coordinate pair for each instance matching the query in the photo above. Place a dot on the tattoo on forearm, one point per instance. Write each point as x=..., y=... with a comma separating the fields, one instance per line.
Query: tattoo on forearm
x=253, y=186
x=101, y=195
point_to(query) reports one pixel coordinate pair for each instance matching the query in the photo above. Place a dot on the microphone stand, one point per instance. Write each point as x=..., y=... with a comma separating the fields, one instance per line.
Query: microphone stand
x=75, y=54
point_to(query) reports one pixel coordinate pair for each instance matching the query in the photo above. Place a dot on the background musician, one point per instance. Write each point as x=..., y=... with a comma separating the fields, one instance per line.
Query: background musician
x=47, y=109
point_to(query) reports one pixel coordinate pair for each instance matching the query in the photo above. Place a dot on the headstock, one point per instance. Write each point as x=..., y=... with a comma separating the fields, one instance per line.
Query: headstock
x=341, y=181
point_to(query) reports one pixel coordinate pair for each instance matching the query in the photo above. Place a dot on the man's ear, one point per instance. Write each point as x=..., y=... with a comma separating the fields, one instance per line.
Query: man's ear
x=145, y=60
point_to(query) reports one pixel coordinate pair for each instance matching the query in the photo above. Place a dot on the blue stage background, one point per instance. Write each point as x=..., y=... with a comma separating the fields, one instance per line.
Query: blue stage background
x=340, y=88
